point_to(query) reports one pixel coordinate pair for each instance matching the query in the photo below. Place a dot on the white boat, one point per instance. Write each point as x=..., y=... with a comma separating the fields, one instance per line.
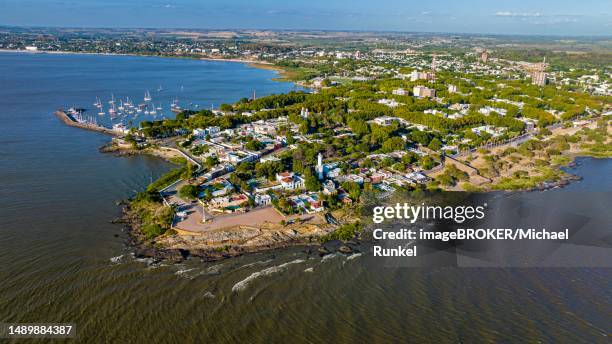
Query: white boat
x=120, y=127
x=112, y=101
x=159, y=107
x=121, y=108
x=98, y=103
x=147, y=97
x=159, y=89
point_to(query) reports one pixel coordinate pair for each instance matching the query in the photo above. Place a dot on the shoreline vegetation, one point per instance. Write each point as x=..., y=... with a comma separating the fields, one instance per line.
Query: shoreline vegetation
x=533, y=165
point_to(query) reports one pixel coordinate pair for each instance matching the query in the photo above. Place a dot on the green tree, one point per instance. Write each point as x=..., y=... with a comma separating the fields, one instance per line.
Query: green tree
x=435, y=144
x=188, y=191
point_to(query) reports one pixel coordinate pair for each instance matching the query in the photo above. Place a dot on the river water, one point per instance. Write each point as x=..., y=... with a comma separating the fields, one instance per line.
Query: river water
x=62, y=261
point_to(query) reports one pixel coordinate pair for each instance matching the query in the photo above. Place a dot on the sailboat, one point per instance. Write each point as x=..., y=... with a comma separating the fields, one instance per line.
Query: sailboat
x=121, y=108
x=101, y=113
x=147, y=96
x=159, y=89
x=159, y=107
x=112, y=111
x=112, y=101
x=98, y=103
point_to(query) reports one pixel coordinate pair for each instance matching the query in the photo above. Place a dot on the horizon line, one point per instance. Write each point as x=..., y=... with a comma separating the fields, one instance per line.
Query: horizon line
x=306, y=30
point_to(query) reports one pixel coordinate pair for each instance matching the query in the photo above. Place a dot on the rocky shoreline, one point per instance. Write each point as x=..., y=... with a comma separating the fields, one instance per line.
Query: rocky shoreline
x=153, y=249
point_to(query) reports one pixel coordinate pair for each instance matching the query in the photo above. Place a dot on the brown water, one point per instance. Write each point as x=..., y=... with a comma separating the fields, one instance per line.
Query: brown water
x=60, y=260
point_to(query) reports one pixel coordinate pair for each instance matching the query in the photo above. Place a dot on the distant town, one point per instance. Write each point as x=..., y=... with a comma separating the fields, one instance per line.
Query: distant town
x=380, y=112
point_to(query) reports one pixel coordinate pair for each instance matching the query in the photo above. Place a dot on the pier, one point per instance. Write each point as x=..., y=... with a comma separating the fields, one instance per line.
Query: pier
x=71, y=121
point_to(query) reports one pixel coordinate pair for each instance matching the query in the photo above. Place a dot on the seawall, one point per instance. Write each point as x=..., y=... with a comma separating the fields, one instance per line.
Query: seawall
x=69, y=120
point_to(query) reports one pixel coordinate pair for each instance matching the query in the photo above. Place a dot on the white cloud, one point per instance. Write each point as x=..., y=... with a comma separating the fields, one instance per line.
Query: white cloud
x=517, y=14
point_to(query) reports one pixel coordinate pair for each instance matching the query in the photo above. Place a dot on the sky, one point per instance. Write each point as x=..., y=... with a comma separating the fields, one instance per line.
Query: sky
x=537, y=17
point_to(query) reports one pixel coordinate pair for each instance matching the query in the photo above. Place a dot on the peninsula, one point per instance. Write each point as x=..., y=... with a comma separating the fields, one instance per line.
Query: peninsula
x=294, y=168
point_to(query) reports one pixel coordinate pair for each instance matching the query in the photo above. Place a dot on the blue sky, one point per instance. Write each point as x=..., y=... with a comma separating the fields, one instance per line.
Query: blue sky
x=561, y=17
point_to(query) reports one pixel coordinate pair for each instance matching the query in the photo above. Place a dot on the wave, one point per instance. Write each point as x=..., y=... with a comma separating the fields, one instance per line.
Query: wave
x=353, y=256
x=181, y=272
x=309, y=270
x=260, y=262
x=330, y=256
x=265, y=272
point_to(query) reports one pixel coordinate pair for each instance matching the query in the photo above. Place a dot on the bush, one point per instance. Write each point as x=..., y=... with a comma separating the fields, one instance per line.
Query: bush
x=188, y=191
x=152, y=230
x=344, y=232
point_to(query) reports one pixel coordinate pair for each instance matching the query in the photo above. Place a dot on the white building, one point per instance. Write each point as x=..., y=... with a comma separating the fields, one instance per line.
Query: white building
x=290, y=181
x=389, y=102
x=262, y=199
x=385, y=120
x=202, y=133
x=400, y=92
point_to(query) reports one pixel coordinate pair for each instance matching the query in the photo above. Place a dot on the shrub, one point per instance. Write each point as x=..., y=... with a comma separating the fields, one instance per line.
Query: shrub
x=188, y=191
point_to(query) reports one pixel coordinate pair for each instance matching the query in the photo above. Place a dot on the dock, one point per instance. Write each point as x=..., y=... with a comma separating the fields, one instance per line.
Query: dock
x=71, y=121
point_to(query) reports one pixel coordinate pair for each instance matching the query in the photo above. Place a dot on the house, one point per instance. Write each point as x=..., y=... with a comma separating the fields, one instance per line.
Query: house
x=221, y=187
x=334, y=173
x=329, y=187
x=290, y=181
x=489, y=129
x=236, y=200
x=400, y=92
x=385, y=120
x=417, y=177
x=307, y=202
x=263, y=199
x=488, y=109
x=203, y=133
x=389, y=102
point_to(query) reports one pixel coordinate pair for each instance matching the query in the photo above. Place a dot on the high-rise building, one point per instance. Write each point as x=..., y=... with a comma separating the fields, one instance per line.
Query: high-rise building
x=424, y=92
x=484, y=56
x=538, y=77
x=416, y=75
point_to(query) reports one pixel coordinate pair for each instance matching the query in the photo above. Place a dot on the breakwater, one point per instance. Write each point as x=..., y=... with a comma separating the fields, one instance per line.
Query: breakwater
x=71, y=121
